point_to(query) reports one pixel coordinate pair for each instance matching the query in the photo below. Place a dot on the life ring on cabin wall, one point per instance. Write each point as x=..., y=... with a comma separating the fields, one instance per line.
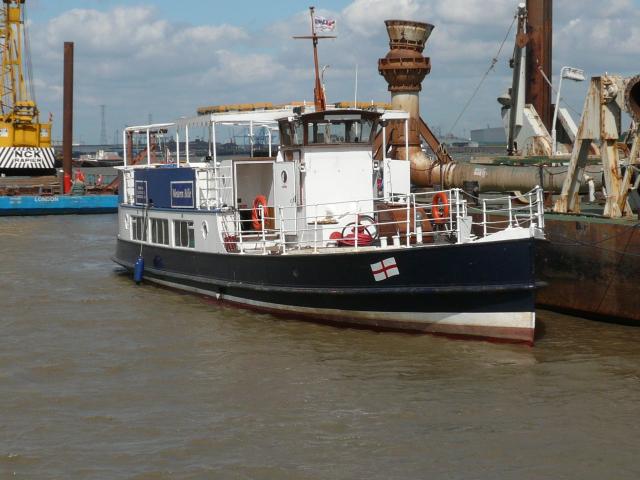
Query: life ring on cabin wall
x=256, y=218
x=440, y=207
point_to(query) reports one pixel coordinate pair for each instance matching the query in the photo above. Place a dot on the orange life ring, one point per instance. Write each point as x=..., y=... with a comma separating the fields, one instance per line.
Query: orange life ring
x=440, y=199
x=256, y=219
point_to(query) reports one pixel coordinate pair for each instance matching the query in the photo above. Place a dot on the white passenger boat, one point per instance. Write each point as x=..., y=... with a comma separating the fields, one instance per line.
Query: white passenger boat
x=322, y=231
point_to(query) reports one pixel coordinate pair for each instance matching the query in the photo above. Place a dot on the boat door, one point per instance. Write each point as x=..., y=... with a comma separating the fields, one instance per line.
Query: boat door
x=284, y=180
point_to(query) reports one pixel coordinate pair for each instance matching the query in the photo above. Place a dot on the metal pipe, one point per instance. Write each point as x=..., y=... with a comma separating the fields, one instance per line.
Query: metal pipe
x=494, y=178
x=130, y=144
x=124, y=147
x=554, y=132
x=213, y=140
x=67, y=129
x=186, y=142
x=178, y=147
x=148, y=147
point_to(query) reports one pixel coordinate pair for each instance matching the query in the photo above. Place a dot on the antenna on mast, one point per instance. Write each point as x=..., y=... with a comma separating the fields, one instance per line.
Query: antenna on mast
x=325, y=25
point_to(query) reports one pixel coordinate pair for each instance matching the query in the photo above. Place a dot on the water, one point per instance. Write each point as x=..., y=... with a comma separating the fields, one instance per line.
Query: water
x=100, y=379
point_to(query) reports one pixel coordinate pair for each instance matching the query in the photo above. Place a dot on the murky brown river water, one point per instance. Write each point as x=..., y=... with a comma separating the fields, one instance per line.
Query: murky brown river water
x=100, y=379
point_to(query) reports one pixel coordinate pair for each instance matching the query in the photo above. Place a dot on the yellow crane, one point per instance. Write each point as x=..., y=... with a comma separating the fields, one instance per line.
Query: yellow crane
x=25, y=142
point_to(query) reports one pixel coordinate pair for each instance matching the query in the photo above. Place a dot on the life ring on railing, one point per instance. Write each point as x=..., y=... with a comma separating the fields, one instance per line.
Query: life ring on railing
x=440, y=207
x=256, y=218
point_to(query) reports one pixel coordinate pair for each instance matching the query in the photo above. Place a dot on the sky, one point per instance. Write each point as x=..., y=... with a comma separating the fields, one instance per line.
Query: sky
x=165, y=58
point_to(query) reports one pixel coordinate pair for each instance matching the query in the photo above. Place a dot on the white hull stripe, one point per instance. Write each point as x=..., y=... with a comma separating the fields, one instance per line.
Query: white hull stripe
x=9, y=159
x=445, y=322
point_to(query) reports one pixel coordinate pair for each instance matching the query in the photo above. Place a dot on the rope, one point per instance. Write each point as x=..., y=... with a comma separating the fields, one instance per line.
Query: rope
x=492, y=66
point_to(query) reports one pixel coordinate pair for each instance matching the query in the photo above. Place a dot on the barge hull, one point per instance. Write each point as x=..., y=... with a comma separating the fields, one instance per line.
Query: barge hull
x=57, y=204
x=591, y=266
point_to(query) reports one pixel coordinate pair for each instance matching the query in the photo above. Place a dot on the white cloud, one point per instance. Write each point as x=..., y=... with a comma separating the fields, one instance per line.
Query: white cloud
x=365, y=16
x=135, y=61
x=476, y=12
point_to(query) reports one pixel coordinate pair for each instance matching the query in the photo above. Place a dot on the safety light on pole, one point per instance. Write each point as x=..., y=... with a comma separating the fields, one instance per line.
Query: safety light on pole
x=570, y=73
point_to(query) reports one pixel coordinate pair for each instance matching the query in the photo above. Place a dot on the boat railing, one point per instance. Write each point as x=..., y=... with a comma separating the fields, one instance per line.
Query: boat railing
x=498, y=213
x=401, y=221
x=215, y=186
x=368, y=223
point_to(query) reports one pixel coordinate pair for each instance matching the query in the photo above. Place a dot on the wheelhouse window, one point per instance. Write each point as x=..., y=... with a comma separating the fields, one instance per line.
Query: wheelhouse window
x=336, y=128
x=291, y=133
x=160, y=231
x=184, y=233
x=138, y=229
x=330, y=127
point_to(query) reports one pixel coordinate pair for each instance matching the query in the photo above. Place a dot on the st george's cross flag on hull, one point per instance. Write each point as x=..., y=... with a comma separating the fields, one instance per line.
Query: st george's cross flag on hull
x=321, y=24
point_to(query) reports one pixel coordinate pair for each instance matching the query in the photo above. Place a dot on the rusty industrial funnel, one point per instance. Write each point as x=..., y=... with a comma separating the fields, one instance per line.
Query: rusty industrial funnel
x=408, y=35
x=404, y=67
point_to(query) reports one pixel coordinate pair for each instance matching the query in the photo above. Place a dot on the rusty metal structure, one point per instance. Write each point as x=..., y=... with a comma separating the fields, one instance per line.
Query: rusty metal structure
x=404, y=68
x=67, y=116
x=601, y=120
x=539, y=30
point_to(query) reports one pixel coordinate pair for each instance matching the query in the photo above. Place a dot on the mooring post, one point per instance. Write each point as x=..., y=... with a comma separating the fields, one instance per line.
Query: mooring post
x=67, y=129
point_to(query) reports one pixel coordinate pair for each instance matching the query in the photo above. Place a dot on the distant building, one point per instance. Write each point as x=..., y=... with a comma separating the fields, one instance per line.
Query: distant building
x=453, y=141
x=489, y=136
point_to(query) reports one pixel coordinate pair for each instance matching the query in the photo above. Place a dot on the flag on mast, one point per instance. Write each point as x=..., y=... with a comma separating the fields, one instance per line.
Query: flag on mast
x=322, y=24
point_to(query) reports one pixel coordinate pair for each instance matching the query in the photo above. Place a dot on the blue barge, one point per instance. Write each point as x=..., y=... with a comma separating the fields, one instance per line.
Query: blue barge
x=57, y=204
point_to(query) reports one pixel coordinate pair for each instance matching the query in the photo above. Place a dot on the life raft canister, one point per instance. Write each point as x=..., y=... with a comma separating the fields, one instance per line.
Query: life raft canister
x=440, y=207
x=256, y=218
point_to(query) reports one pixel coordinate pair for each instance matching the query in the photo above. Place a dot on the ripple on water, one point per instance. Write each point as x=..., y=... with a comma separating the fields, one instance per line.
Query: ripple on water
x=105, y=380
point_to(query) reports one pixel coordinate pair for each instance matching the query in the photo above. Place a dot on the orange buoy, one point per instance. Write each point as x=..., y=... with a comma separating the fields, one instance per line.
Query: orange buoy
x=440, y=207
x=256, y=217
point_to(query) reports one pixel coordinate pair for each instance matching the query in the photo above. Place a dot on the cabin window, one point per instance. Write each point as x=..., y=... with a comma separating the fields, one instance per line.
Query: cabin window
x=285, y=133
x=138, y=229
x=298, y=131
x=184, y=233
x=291, y=133
x=160, y=231
x=344, y=130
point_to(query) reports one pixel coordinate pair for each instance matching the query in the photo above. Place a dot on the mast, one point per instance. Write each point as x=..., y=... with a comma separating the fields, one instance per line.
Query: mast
x=318, y=92
x=539, y=55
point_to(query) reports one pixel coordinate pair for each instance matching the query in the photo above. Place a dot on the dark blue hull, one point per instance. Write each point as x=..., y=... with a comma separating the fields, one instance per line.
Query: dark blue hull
x=484, y=289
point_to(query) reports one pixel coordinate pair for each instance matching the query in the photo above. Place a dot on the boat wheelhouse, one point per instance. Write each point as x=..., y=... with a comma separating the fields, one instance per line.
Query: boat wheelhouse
x=322, y=231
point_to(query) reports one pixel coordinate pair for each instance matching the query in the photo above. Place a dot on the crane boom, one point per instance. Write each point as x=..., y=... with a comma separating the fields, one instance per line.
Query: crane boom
x=25, y=142
x=19, y=116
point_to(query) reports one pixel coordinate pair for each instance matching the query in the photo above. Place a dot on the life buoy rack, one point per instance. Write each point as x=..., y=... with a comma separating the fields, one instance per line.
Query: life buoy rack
x=440, y=207
x=256, y=218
